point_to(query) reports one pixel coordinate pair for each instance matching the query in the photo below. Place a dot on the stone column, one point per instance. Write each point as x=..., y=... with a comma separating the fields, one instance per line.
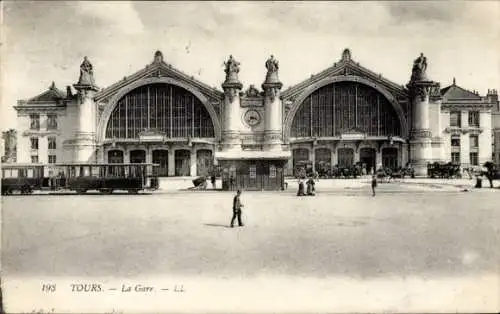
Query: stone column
x=312, y=157
x=84, y=139
x=232, y=120
x=272, y=106
x=485, y=148
x=171, y=162
x=420, y=134
x=378, y=159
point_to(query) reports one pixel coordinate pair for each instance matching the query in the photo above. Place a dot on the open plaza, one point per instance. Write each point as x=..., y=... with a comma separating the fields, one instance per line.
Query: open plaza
x=416, y=238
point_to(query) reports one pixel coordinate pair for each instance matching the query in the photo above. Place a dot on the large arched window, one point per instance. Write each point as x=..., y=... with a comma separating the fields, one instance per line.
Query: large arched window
x=160, y=107
x=340, y=107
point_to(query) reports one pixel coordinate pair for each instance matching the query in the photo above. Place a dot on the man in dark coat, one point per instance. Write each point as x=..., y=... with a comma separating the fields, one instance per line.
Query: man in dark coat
x=237, y=209
x=374, y=184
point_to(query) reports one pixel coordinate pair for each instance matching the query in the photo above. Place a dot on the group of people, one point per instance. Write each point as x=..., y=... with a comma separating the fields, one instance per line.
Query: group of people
x=310, y=190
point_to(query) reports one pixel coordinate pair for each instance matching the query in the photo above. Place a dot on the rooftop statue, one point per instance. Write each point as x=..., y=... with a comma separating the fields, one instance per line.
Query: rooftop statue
x=232, y=68
x=86, y=73
x=272, y=66
x=419, y=69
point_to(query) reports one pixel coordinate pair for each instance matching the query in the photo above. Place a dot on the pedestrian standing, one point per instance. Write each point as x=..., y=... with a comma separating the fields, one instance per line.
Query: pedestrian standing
x=212, y=178
x=237, y=209
x=374, y=184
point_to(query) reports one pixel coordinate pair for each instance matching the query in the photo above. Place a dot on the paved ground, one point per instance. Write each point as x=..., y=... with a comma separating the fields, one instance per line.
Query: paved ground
x=403, y=232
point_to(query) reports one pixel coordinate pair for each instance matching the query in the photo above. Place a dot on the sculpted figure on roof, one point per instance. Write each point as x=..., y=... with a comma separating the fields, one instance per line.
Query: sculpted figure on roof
x=419, y=69
x=86, y=73
x=232, y=68
x=272, y=66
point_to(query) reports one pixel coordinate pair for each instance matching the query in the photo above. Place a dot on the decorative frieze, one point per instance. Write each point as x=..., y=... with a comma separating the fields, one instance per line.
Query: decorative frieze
x=422, y=133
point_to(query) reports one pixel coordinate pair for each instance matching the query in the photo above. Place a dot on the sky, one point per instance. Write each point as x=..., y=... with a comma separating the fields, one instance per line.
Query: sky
x=46, y=41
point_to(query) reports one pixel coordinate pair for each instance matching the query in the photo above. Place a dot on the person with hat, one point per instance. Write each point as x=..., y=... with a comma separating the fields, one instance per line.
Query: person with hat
x=237, y=209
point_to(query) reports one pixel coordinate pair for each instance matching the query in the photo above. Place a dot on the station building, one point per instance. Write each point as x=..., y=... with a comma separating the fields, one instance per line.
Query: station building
x=340, y=116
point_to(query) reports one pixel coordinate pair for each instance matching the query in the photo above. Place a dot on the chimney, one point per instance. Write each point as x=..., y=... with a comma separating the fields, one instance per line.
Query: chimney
x=492, y=98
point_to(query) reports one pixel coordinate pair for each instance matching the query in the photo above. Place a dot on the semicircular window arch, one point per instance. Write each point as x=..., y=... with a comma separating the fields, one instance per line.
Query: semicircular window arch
x=162, y=108
x=345, y=107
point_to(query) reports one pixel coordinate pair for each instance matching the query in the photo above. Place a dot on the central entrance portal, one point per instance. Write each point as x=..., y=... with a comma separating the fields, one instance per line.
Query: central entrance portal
x=346, y=157
x=368, y=157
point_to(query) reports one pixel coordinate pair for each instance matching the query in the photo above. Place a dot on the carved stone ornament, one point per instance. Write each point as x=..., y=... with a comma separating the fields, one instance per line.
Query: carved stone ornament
x=252, y=92
x=231, y=93
x=418, y=134
x=252, y=117
x=422, y=91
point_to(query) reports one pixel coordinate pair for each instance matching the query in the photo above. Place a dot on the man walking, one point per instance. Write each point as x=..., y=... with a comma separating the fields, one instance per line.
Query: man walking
x=237, y=209
x=374, y=184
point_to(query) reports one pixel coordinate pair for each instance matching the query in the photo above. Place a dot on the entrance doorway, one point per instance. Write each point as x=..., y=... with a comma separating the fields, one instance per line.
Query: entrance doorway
x=301, y=161
x=204, y=162
x=183, y=163
x=160, y=157
x=390, y=157
x=368, y=157
x=137, y=156
x=345, y=157
x=115, y=156
x=322, y=160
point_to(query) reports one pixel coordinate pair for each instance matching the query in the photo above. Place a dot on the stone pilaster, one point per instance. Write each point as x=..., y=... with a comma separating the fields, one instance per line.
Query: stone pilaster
x=84, y=139
x=273, y=106
x=420, y=133
x=232, y=122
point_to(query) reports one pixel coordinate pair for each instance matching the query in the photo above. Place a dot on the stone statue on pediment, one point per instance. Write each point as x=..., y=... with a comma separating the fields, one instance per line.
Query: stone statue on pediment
x=86, y=73
x=252, y=92
x=232, y=68
x=419, y=69
x=272, y=66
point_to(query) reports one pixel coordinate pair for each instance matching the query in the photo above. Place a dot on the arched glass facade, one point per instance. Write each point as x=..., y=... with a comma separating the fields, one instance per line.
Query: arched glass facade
x=340, y=107
x=160, y=107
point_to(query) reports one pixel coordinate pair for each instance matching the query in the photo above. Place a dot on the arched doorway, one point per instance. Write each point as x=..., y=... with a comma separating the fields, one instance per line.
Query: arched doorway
x=390, y=157
x=322, y=160
x=115, y=156
x=138, y=156
x=182, y=162
x=367, y=156
x=160, y=157
x=204, y=162
x=345, y=157
x=300, y=160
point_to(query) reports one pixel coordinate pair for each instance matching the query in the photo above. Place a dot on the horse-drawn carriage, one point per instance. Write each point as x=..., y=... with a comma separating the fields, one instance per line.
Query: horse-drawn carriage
x=443, y=170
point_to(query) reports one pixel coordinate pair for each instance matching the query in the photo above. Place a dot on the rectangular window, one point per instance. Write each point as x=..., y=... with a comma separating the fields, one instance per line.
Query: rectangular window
x=34, y=121
x=253, y=172
x=455, y=141
x=34, y=159
x=474, y=141
x=474, y=118
x=51, y=121
x=52, y=159
x=52, y=142
x=455, y=119
x=473, y=159
x=272, y=171
x=455, y=158
x=34, y=143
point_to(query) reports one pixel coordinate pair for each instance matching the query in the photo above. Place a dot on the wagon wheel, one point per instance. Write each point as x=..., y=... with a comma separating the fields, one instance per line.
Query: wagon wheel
x=133, y=191
x=81, y=191
x=106, y=191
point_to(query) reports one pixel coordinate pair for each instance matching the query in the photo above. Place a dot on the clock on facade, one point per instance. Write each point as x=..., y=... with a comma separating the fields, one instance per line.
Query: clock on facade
x=252, y=117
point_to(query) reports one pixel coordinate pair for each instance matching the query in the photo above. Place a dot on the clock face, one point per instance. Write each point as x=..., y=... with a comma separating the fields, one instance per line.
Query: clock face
x=252, y=117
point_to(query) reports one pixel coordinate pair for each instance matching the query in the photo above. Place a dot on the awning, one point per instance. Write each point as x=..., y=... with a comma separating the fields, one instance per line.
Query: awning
x=234, y=155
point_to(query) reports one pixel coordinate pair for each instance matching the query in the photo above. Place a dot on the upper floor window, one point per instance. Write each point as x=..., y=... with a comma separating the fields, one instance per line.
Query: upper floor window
x=34, y=121
x=474, y=141
x=455, y=141
x=455, y=119
x=455, y=158
x=52, y=142
x=34, y=142
x=51, y=121
x=473, y=158
x=474, y=118
x=52, y=159
x=34, y=159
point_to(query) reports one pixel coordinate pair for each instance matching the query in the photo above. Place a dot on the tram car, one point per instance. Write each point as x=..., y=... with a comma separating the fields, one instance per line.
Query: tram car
x=22, y=178
x=106, y=178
